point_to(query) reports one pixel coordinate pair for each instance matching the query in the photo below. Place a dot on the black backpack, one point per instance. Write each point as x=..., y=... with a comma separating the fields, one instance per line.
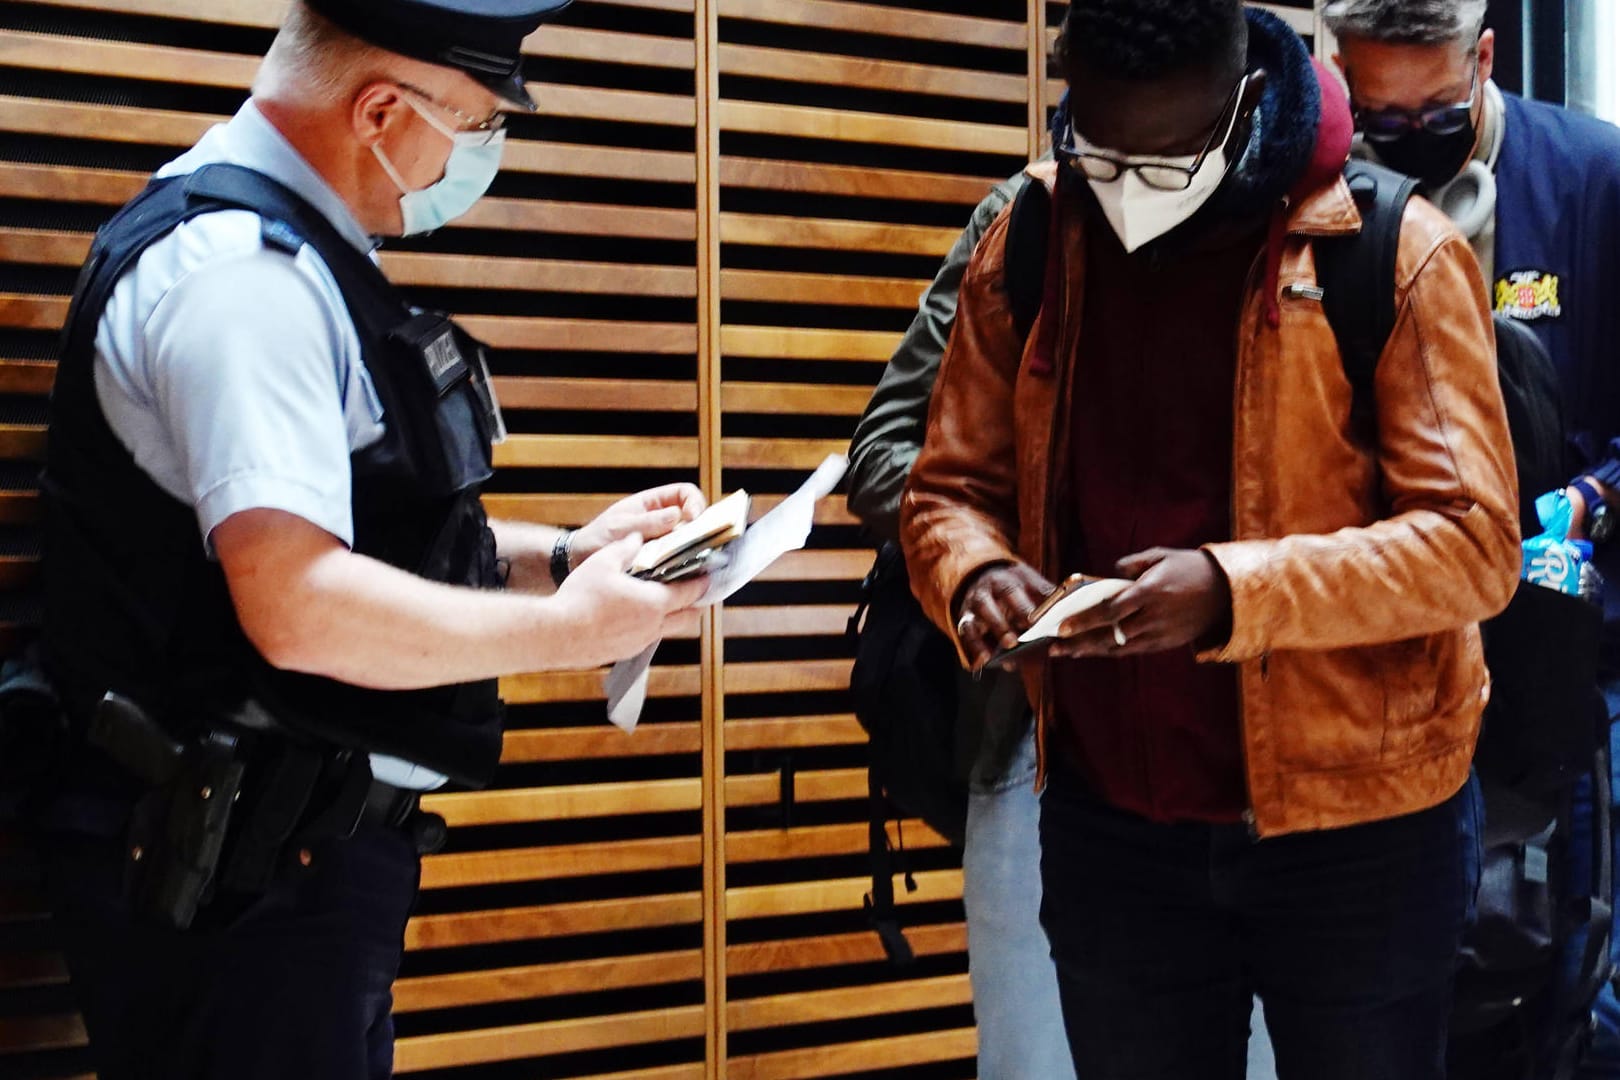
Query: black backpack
x=904, y=686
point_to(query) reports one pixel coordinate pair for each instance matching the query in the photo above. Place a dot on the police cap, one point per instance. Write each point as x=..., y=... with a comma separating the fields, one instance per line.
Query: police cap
x=483, y=38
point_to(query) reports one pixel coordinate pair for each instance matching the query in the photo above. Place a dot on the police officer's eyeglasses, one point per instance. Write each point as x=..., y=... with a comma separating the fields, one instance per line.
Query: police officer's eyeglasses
x=1387, y=125
x=1163, y=175
x=488, y=126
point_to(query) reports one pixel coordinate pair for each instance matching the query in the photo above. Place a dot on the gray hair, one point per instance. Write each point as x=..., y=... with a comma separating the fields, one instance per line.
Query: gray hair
x=1406, y=22
x=313, y=61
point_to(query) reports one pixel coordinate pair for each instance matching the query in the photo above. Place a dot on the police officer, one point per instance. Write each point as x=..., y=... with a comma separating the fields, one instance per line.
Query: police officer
x=275, y=609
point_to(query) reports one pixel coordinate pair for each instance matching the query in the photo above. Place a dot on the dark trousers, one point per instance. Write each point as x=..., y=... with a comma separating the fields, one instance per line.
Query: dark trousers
x=295, y=983
x=1163, y=933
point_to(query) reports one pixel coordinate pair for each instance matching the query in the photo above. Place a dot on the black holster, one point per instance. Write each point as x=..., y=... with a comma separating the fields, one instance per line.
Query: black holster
x=224, y=812
x=177, y=829
x=177, y=832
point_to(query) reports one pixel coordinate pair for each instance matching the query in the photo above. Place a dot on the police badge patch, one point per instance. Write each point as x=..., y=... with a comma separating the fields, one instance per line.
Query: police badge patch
x=1528, y=295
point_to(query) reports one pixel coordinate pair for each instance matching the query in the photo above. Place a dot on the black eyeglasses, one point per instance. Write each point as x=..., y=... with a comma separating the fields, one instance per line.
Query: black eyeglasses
x=489, y=125
x=1387, y=125
x=1155, y=173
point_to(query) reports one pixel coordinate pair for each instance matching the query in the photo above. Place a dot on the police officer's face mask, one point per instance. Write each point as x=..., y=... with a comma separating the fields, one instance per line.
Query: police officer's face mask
x=475, y=158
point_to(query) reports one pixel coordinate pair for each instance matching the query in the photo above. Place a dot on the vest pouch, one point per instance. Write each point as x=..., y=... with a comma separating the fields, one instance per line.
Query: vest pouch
x=445, y=413
x=464, y=551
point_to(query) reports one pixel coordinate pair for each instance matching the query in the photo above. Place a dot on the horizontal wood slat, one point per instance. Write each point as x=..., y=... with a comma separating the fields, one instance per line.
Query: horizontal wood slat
x=807, y=178
x=788, y=732
x=66, y=183
x=818, y=842
x=582, y=335
x=797, y=954
x=810, y=897
x=31, y=1034
x=268, y=13
x=556, y=920
x=607, y=741
x=796, y=344
x=765, y=230
x=868, y=74
x=843, y=1058
x=819, y=1006
x=870, y=127
x=561, y=861
x=553, y=686
x=533, y=981
x=633, y=856
x=424, y=1052
x=563, y=802
x=787, y=288
x=543, y=275
x=790, y=398
x=879, y=19
x=20, y=970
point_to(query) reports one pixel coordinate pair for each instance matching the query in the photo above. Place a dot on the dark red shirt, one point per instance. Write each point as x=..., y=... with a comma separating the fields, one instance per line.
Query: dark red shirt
x=1150, y=465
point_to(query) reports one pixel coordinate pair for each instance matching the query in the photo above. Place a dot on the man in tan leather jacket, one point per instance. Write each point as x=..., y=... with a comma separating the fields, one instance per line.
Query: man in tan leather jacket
x=1257, y=753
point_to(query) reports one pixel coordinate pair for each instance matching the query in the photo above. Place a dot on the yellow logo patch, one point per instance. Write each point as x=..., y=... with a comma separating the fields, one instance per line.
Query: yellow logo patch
x=1528, y=295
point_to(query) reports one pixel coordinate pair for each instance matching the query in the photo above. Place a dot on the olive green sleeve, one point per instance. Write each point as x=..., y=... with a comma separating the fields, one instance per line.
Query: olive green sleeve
x=890, y=432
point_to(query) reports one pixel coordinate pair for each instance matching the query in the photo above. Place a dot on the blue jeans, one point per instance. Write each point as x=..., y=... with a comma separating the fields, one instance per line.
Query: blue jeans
x=1162, y=934
x=1015, y=994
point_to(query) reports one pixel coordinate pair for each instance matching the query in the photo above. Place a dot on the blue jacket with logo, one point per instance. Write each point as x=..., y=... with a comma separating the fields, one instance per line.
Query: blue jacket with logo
x=1558, y=270
x=1558, y=262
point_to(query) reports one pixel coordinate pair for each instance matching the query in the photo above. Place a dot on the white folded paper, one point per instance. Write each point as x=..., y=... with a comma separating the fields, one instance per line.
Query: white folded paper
x=784, y=529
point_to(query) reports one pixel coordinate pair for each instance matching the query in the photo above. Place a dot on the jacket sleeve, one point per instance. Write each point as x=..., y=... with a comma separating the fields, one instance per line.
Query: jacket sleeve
x=959, y=512
x=891, y=430
x=1602, y=446
x=1448, y=554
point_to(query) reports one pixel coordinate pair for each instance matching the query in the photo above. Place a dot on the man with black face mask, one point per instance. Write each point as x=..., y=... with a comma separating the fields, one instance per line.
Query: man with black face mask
x=1256, y=752
x=1536, y=188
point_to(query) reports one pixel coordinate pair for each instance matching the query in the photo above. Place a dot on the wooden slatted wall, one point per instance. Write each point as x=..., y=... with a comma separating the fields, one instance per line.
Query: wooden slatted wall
x=854, y=142
x=694, y=265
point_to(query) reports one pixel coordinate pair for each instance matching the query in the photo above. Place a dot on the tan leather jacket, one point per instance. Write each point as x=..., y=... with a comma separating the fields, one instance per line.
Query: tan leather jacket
x=1358, y=574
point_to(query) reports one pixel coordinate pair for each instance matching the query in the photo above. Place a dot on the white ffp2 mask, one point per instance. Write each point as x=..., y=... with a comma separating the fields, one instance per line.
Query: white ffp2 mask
x=1141, y=213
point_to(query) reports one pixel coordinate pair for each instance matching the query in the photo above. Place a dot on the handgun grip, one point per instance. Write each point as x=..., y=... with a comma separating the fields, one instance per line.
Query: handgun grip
x=123, y=731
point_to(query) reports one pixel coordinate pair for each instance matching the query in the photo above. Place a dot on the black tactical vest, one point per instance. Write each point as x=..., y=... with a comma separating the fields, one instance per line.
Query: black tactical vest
x=133, y=604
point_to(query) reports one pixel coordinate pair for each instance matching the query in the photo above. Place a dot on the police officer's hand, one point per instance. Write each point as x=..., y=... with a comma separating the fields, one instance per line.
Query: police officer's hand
x=609, y=615
x=648, y=514
x=1179, y=597
x=995, y=609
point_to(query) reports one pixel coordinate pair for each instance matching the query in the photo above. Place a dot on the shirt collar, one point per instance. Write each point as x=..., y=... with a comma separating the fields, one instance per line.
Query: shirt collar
x=251, y=140
x=1493, y=126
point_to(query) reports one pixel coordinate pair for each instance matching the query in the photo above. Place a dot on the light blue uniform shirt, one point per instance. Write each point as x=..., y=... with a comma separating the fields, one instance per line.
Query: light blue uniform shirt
x=232, y=371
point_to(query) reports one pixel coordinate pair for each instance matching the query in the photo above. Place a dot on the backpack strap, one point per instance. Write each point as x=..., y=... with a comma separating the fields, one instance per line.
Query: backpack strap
x=879, y=903
x=1357, y=277
x=1028, y=234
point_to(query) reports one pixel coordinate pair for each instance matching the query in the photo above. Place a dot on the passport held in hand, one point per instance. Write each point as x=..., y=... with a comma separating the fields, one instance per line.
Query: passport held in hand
x=696, y=547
